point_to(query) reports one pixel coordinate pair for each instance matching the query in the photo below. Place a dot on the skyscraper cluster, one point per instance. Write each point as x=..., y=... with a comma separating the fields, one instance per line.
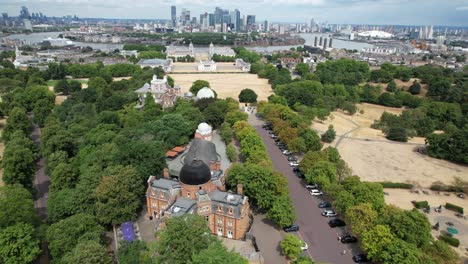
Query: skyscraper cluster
x=221, y=20
x=426, y=32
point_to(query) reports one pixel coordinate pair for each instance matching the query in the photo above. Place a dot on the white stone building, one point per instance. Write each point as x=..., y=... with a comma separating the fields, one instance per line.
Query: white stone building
x=207, y=66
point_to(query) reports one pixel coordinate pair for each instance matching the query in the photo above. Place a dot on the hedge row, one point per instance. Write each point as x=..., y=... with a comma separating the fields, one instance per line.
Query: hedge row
x=445, y=188
x=453, y=207
x=450, y=240
x=421, y=204
x=396, y=185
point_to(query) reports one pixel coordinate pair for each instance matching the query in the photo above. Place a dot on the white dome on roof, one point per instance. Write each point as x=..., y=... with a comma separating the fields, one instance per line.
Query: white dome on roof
x=205, y=92
x=375, y=34
x=204, y=129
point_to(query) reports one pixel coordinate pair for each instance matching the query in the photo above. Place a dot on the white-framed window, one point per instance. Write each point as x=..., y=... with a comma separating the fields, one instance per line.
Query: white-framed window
x=220, y=221
x=154, y=205
x=229, y=223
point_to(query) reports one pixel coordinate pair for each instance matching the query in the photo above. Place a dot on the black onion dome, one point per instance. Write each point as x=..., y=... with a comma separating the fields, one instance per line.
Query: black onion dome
x=195, y=173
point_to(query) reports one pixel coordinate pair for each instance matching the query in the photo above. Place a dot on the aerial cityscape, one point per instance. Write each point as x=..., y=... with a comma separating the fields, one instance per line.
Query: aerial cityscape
x=264, y=132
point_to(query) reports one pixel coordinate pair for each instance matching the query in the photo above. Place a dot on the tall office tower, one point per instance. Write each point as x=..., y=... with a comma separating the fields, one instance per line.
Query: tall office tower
x=281, y=29
x=174, y=16
x=421, y=34
x=237, y=19
x=218, y=15
x=315, y=41
x=330, y=44
x=204, y=21
x=211, y=18
x=320, y=41
x=250, y=22
x=266, y=26
x=27, y=24
x=312, y=23
x=325, y=43
x=426, y=32
x=431, y=32
x=24, y=13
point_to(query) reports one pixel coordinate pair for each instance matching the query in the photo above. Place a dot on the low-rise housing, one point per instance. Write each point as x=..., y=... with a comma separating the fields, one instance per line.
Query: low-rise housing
x=165, y=64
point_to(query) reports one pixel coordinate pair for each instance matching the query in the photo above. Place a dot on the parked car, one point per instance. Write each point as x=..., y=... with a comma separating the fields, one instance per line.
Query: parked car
x=336, y=223
x=329, y=213
x=324, y=204
x=287, y=152
x=271, y=132
x=296, y=170
x=346, y=239
x=279, y=143
x=291, y=228
x=273, y=136
x=315, y=192
x=360, y=258
x=298, y=173
x=293, y=163
x=311, y=186
x=276, y=140
x=292, y=158
x=304, y=246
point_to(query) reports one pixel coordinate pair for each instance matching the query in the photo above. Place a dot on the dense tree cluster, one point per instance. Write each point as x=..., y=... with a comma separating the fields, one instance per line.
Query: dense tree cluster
x=223, y=58
x=291, y=128
x=343, y=71
x=246, y=55
x=247, y=96
x=265, y=187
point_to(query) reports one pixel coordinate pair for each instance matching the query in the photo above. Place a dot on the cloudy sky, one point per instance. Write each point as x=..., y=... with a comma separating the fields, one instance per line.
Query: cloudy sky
x=401, y=12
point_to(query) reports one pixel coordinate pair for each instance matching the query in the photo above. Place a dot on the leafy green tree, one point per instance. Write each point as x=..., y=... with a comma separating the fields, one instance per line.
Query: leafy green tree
x=310, y=159
x=440, y=253
x=64, y=235
x=277, y=99
x=344, y=71
x=376, y=240
x=361, y=217
x=282, y=211
x=16, y=206
x=42, y=109
x=217, y=253
x=439, y=89
x=18, y=161
x=88, y=252
x=234, y=116
x=226, y=133
x=415, y=88
x=56, y=71
x=291, y=246
x=302, y=68
x=61, y=204
x=133, y=252
x=174, y=246
x=18, y=244
x=329, y=135
x=400, y=252
x=231, y=153
x=391, y=87
x=17, y=120
x=151, y=110
x=214, y=114
x=303, y=259
x=118, y=195
x=323, y=173
x=62, y=86
x=397, y=134
x=64, y=175
x=343, y=199
x=311, y=140
x=411, y=226
x=197, y=85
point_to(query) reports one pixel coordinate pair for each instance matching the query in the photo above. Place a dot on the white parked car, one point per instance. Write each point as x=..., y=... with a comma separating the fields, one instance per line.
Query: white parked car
x=329, y=213
x=311, y=186
x=293, y=163
x=287, y=152
x=315, y=192
x=305, y=246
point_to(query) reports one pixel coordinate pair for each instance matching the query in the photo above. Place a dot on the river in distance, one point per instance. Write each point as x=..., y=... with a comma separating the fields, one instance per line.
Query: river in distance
x=35, y=38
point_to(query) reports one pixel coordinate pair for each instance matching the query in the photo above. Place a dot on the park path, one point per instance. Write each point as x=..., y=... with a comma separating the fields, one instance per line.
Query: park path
x=41, y=183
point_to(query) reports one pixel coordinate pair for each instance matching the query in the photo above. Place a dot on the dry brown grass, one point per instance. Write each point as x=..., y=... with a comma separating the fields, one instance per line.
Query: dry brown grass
x=227, y=85
x=374, y=158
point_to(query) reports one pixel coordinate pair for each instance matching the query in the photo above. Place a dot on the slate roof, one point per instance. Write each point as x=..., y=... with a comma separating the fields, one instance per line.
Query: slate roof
x=182, y=206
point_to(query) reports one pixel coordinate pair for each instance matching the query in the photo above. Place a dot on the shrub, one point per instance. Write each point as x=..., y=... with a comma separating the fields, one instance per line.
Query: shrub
x=397, y=185
x=397, y=134
x=450, y=240
x=445, y=188
x=231, y=153
x=421, y=204
x=453, y=207
x=329, y=135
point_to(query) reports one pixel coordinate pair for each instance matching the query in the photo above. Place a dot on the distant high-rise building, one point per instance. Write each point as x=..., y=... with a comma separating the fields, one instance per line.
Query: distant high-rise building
x=218, y=15
x=430, y=33
x=211, y=20
x=235, y=19
x=5, y=16
x=281, y=29
x=174, y=15
x=250, y=22
x=266, y=26
x=24, y=13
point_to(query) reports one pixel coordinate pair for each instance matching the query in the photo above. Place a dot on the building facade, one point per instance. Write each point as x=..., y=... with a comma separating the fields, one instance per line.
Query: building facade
x=206, y=66
x=161, y=91
x=199, y=189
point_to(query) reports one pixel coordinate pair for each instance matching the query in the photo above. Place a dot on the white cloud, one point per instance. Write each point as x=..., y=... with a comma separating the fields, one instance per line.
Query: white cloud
x=462, y=8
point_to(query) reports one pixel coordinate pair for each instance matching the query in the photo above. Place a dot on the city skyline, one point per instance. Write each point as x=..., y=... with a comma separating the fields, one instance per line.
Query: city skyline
x=378, y=12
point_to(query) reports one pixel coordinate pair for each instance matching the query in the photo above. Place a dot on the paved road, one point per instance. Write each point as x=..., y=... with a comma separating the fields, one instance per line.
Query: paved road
x=268, y=239
x=41, y=179
x=322, y=240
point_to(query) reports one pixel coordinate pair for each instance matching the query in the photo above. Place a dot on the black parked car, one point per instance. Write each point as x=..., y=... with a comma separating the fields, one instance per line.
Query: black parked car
x=296, y=169
x=292, y=228
x=346, y=239
x=336, y=223
x=324, y=204
x=360, y=258
x=292, y=158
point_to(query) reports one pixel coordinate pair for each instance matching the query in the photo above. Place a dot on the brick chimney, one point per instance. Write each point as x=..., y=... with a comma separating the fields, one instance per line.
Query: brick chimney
x=166, y=173
x=240, y=188
x=218, y=165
